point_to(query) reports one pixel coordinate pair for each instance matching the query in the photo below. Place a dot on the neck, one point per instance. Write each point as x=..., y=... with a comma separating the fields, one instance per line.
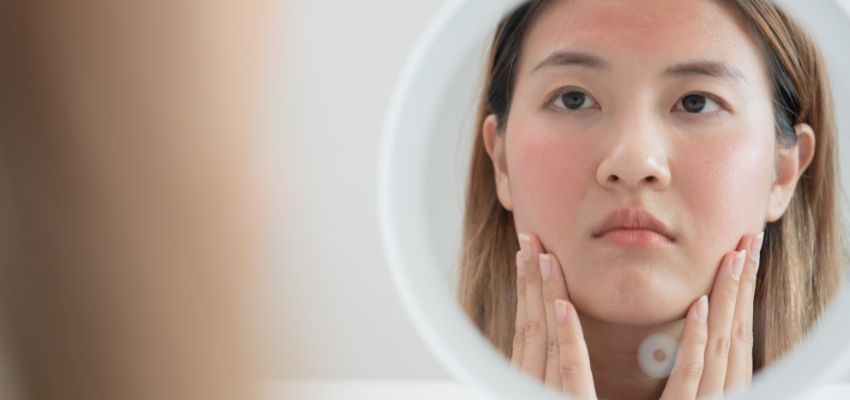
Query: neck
x=613, y=350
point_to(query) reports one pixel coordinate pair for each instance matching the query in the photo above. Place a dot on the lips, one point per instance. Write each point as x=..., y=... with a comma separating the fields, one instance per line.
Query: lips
x=633, y=218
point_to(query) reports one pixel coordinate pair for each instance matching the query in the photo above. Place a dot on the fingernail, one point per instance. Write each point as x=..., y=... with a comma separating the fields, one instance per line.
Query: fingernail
x=738, y=264
x=702, y=308
x=755, y=247
x=525, y=245
x=520, y=264
x=560, y=309
x=545, y=266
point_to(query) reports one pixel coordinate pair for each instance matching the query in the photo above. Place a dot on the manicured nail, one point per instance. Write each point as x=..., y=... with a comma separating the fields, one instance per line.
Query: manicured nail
x=520, y=264
x=560, y=309
x=755, y=247
x=738, y=264
x=525, y=245
x=545, y=266
x=702, y=308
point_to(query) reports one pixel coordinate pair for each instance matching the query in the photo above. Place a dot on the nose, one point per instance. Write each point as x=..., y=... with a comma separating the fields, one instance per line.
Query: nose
x=635, y=158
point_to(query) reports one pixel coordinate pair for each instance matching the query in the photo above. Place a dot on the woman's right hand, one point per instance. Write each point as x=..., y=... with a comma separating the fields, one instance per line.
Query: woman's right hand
x=558, y=357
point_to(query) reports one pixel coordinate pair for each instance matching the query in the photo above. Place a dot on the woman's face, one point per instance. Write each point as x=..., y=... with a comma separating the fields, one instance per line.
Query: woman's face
x=662, y=105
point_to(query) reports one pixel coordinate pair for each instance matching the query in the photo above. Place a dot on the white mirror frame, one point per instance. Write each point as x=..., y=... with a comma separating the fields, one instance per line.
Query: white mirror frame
x=429, y=76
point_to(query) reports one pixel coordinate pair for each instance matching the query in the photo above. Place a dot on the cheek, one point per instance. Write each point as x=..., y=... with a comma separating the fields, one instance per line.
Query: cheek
x=724, y=186
x=550, y=174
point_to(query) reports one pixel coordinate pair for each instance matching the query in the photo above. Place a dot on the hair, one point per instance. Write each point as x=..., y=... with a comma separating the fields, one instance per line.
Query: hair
x=803, y=254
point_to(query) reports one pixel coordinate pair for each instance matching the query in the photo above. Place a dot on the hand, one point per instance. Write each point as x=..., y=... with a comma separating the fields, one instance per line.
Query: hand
x=558, y=356
x=715, y=352
x=716, y=355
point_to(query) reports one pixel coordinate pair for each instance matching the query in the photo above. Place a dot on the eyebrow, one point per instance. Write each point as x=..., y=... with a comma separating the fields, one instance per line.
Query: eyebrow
x=706, y=68
x=712, y=69
x=572, y=58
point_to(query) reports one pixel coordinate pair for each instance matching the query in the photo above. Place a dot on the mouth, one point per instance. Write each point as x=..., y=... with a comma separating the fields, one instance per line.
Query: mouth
x=636, y=228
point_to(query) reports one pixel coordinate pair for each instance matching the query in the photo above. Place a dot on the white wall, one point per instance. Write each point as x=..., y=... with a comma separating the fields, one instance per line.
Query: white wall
x=335, y=313
x=334, y=306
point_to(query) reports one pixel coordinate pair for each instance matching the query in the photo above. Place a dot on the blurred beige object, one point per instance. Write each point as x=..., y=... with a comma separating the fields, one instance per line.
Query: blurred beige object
x=132, y=206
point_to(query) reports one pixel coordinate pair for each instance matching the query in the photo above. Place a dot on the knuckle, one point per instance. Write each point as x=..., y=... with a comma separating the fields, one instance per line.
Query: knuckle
x=519, y=328
x=552, y=346
x=533, y=328
x=731, y=291
x=519, y=340
x=744, y=333
x=721, y=346
x=692, y=371
x=570, y=371
x=749, y=276
x=699, y=338
x=532, y=272
x=569, y=340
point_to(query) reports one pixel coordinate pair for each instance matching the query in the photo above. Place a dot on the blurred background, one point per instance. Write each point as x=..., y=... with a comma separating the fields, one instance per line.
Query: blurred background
x=335, y=303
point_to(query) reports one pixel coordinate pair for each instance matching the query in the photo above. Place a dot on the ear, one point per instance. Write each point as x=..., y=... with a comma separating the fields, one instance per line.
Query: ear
x=790, y=164
x=494, y=143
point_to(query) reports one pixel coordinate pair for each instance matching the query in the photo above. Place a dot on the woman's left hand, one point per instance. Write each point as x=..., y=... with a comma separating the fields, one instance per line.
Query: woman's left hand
x=716, y=351
x=715, y=354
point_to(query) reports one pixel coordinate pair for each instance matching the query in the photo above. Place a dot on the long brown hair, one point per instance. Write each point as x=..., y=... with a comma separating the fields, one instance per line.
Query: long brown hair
x=803, y=253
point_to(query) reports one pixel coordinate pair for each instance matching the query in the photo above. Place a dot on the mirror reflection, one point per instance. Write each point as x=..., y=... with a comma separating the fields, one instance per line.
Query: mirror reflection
x=653, y=205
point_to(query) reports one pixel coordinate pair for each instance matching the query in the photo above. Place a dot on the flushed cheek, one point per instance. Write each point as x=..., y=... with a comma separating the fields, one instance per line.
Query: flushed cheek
x=724, y=187
x=549, y=176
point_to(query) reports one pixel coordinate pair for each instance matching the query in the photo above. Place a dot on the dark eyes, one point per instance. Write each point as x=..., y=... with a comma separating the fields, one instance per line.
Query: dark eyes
x=694, y=103
x=574, y=100
x=697, y=104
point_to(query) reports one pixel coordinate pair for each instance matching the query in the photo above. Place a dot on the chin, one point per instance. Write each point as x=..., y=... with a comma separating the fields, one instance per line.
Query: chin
x=633, y=306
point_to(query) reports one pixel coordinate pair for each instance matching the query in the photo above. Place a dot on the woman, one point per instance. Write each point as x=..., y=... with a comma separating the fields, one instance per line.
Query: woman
x=644, y=172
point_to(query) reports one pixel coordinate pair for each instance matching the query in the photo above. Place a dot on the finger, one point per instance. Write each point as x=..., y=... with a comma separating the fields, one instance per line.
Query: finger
x=723, y=298
x=690, y=357
x=534, y=349
x=740, y=370
x=554, y=288
x=576, y=376
x=519, y=324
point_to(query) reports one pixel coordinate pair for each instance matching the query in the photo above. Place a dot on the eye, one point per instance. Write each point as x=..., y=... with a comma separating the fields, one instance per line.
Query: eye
x=698, y=104
x=573, y=99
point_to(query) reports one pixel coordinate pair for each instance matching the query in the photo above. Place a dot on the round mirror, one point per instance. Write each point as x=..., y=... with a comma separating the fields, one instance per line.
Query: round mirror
x=588, y=98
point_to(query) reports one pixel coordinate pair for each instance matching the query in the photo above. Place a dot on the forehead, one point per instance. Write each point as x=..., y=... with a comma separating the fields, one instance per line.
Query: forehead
x=647, y=34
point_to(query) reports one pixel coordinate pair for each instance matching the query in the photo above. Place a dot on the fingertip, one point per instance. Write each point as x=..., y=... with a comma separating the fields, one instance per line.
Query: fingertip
x=701, y=313
x=745, y=242
x=520, y=264
x=536, y=245
x=525, y=246
x=553, y=260
x=561, y=309
x=738, y=264
x=571, y=317
x=545, y=266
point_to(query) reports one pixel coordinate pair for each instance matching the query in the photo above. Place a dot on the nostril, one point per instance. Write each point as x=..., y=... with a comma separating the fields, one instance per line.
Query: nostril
x=651, y=179
x=614, y=178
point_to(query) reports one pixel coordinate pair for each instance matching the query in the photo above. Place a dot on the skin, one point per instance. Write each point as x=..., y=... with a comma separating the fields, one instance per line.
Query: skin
x=633, y=143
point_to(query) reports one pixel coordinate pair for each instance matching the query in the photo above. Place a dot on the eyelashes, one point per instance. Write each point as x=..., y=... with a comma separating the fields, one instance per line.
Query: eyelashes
x=699, y=103
x=572, y=99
